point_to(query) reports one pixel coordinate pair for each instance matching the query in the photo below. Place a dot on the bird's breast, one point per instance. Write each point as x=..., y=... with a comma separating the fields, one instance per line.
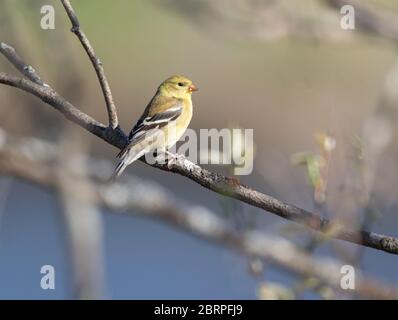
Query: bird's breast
x=185, y=118
x=180, y=125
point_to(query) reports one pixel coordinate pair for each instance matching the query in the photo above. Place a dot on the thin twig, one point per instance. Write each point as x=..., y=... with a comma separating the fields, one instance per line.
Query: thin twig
x=51, y=97
x=27, y=70
x=97, y=64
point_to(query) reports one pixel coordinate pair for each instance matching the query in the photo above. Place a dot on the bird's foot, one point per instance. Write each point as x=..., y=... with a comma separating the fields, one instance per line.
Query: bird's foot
x=174, y=158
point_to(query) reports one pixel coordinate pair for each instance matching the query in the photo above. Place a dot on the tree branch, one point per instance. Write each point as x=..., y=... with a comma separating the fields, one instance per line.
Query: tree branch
x=221, y=184
x=19, y=64
x=52, y=98
x=36, y=161
x=97, y=64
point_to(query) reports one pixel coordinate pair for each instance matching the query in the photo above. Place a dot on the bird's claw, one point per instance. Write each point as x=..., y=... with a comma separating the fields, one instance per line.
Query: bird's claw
x=174, y=159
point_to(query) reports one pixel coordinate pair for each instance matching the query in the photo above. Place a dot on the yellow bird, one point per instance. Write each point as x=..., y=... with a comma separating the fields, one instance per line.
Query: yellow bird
x=163, y=122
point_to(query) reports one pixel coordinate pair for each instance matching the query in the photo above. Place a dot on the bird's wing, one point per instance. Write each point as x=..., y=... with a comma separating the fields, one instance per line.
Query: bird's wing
x=152, y=120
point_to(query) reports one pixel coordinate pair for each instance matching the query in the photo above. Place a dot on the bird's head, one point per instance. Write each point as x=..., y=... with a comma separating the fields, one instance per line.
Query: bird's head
x=178, y=87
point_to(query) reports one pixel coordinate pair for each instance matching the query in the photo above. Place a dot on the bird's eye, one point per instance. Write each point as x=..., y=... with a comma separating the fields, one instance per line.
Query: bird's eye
x=180, y=84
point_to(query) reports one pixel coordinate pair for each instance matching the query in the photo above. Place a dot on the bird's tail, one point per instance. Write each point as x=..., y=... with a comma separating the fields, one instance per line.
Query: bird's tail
x=128, y=158
x=119, y=170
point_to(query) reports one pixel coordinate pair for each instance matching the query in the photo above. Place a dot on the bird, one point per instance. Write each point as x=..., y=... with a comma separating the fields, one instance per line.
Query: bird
x=163, y=122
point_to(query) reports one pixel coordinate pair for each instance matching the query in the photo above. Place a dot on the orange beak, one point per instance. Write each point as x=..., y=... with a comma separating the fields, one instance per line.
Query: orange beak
x=192, y=88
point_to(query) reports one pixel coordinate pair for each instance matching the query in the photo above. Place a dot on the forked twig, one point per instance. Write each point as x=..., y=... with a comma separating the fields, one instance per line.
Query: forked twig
x=96, y=62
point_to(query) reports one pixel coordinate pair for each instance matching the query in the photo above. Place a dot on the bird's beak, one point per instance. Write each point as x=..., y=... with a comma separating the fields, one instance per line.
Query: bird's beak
x=192, y=88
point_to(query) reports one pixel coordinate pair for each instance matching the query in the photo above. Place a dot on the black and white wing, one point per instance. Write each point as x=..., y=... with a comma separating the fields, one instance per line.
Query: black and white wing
x=156, y=121
x=149, y=124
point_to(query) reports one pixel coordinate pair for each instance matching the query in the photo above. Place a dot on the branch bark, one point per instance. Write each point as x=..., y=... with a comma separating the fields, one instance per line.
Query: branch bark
x=19, y=64
x=221, y=184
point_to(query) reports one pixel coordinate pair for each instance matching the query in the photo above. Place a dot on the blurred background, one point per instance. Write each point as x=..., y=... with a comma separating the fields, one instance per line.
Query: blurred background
x=321, y=101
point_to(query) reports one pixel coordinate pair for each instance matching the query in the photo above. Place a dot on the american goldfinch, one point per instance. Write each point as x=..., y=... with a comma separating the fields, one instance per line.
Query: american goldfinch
x=163, y=122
